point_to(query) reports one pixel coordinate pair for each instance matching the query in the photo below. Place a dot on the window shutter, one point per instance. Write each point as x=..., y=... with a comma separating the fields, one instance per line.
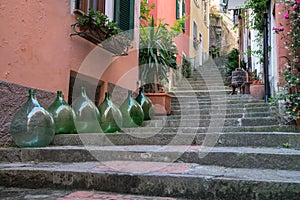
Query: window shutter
x=183, y=14
x=124, y=14
x=183, y=8
x=177, y=9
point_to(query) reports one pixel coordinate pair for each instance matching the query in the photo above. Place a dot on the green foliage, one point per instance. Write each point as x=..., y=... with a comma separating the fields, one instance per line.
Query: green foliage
x=186, y=68
x=97, y=21
x=157, y=52
x=286, y=145
x=291, y=75
x=145, y=10
x=232, y=63
x=258, y=7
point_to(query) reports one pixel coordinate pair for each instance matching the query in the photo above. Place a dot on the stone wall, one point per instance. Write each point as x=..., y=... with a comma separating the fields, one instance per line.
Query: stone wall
x=13, y=96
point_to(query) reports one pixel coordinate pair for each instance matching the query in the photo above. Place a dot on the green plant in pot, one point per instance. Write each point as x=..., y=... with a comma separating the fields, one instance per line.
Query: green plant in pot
x=157, y=54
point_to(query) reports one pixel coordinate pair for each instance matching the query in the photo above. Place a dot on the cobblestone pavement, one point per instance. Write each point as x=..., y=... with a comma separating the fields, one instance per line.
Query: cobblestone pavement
x=49, y=194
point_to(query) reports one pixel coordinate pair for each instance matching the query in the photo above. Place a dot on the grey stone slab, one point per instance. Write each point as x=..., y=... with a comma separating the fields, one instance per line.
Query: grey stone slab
x=194, y=182
x=244, y=157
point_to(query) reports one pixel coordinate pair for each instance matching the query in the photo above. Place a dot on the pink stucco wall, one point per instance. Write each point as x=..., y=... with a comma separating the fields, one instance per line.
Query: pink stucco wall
x=166, y=10
x=282, y=52
x=36, y=48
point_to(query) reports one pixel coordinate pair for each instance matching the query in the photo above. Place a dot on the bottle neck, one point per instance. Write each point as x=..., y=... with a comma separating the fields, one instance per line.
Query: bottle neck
x=83, y=91
x=107, y=95
x=32, y=97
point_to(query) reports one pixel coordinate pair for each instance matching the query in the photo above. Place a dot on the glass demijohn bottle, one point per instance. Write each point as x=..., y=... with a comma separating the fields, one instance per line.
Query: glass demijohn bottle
x=63, y=115
x=32, y=125
x=110, y=116
x=146, y=105
x=87, y=114
x=132, y=112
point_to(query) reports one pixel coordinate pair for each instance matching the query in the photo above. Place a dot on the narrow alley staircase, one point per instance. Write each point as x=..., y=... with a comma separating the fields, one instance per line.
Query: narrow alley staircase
x=213, y=146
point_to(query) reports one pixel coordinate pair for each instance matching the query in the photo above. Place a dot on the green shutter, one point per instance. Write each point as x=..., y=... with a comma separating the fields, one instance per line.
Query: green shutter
x=177, y=9
x=183, y=8
x=183, y=14
x=124, y=14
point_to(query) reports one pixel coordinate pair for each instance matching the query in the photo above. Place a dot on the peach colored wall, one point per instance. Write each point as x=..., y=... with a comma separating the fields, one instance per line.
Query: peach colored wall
x=280, y=48
x=166, y=10
x=36, y=48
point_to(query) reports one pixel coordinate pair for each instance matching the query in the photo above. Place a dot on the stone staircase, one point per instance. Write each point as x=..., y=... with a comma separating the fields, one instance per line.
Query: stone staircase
x=213, y=146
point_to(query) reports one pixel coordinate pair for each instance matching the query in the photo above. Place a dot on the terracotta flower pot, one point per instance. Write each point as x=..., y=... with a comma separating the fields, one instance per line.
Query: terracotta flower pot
x=161, y=102
x=298, y=121
x=257, y=91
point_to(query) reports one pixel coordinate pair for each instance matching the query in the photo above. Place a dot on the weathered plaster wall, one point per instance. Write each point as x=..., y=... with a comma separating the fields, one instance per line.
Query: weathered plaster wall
x=282, y=52
x=37, y=52
x=197, y=14
x=35, y=47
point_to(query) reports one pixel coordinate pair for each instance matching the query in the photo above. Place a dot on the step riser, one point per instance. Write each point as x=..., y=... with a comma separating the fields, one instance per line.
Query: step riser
x=226, y=159
x=201, y=187
x=201, y=123
x=222, y=111
x=224, y=140
x=228, y=115
x=213, y=106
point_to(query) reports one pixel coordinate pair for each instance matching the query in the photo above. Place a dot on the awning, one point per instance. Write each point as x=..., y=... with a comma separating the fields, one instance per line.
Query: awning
x=235, y=4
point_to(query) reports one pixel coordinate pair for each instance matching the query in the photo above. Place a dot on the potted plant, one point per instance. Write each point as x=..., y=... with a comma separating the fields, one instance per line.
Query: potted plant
x=157, y=54
x=257, y=88
x=96, y=27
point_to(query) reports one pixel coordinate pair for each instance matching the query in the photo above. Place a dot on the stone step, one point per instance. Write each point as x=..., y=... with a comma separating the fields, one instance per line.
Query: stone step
x=258, y=121
x=216, y=116
x=224, y=102
x=183, y=180
x=238, y=157
x=178, y=105
x=201, y=93
x=206, y=111
x=63, y=194
x=216, y=98
x=234, y=139
x=201, y=87
x=213, y=129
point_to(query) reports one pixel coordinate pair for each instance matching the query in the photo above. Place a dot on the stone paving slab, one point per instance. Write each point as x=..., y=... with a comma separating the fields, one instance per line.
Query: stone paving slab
x=52, y=194
x=186, y=180
x=244, y=157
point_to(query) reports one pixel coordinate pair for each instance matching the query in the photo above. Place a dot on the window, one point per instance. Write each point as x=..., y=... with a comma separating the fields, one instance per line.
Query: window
x=177, y=10
x=124, y=14
x=205, y=12
x=85, y=5
x=195, y=31
x=180, y=11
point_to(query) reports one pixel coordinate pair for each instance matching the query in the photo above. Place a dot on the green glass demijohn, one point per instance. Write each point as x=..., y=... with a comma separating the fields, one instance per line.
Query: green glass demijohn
x=32, y=125
x=87, y=114
x=63, y=115
x=110, y=116
x=146, y=105
x=132, y=112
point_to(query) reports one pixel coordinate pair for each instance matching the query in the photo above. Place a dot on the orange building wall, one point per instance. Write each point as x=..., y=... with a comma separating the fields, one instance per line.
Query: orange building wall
x=36, y=48
x=166, y=10
x=282, y=52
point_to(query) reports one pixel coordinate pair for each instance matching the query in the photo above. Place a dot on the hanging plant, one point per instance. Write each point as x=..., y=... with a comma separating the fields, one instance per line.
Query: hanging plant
x=98, y=29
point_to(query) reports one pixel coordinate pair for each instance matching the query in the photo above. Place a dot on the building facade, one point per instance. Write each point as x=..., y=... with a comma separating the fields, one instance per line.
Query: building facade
x=38, y=52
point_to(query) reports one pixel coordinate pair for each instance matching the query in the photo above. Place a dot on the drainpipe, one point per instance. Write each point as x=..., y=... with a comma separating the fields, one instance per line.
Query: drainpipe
x=266, y=58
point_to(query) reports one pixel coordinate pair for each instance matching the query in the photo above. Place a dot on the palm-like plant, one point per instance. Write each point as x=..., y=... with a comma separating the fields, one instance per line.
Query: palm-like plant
x=157, y=54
